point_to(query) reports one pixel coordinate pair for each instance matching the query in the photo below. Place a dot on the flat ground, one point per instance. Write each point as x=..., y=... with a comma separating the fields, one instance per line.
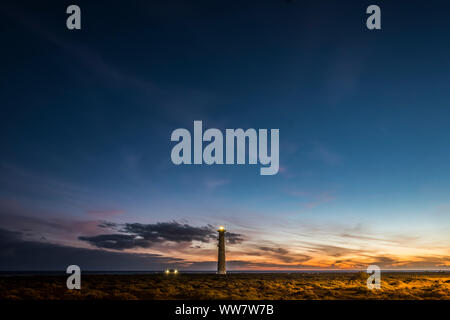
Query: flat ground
x=255, y=286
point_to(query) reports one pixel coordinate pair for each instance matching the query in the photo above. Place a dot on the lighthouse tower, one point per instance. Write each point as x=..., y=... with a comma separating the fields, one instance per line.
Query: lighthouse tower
x=221, y=267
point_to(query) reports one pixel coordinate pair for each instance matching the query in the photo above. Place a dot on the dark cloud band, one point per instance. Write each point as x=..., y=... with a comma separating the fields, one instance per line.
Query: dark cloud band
x=138, y=235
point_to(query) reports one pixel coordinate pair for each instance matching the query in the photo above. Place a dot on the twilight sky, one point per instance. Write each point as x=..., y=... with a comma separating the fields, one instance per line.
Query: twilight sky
x=86, y=176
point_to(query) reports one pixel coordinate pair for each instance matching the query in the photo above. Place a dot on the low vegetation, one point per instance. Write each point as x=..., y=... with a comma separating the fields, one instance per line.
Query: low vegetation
x=254, y=286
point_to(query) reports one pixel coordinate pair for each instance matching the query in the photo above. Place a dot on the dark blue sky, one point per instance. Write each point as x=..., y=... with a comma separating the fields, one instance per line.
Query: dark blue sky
x=86, y=118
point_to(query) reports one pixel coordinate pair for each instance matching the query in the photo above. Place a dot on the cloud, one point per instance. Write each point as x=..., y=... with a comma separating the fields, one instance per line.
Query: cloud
x=244, y=265
x=234, y=238
x=321, y=199
x=212, y=184
x=392, y=263
x=275, y=250
x=351, y=247
x=104, y=213
x=314, y=199
x=396, y=239
x=333, y=251
x=59, y=229
x=171, y=231
x=139, y=235
x=18, y=254
x=108, y=225
x=28, y=184
x=324, y=154
x=278, y=255
x=117, y=241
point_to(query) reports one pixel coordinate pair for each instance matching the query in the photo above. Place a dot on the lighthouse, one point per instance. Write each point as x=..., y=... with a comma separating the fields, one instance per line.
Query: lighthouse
x=221, y=267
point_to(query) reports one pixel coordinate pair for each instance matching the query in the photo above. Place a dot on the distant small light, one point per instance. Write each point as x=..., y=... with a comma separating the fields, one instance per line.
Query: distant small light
x=175, y=271
x=167, y=271
x=221, y=228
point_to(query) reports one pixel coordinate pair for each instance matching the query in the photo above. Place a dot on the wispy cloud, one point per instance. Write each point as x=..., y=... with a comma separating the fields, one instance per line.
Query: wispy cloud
x=325, y=155
x=214, y=183
x=313, y=199
x=105, y=213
